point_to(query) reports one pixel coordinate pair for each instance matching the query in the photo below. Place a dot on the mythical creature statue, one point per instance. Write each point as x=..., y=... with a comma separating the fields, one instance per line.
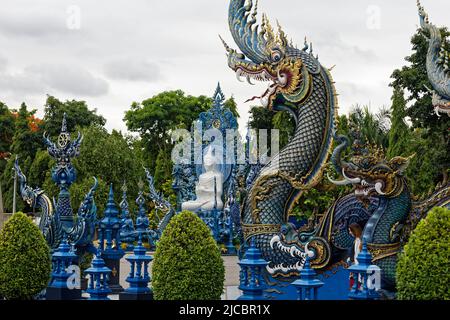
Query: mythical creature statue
x=82, y=232
x=437, y=64
x=61, y=223
x=161, y=204
x=36, y=198
x=299, y=84
x=380, y=203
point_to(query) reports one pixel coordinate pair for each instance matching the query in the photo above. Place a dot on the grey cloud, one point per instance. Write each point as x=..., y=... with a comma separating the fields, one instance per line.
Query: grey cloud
x=46, y=77
x=133, y=70
x=32, y=23
x=3, y=63
x=332, y=44
x=21, y=84
x=70, y=79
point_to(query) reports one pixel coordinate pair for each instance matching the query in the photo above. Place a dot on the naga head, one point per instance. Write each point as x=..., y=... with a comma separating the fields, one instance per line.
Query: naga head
x=88, y=209
x=266, y=55
x=29, y=195
x=369, y=171
x=438, y=64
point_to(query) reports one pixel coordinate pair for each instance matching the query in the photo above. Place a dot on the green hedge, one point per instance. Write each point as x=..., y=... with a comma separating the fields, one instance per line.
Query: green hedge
x=188, y=264
x=25, y=263
x=423, y=270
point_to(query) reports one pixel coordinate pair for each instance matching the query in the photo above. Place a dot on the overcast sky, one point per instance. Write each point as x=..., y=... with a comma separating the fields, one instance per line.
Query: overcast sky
x=113, y=52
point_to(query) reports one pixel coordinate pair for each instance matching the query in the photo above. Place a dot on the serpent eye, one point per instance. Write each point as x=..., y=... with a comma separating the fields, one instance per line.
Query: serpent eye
x=276, y=56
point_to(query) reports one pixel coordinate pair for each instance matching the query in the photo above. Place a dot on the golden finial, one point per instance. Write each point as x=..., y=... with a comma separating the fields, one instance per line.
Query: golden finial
x=281, y=37
x=269, y=30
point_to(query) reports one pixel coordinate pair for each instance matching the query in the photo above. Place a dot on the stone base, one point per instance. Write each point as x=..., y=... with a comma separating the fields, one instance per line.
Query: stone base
x=53, y=293
x=135, y=296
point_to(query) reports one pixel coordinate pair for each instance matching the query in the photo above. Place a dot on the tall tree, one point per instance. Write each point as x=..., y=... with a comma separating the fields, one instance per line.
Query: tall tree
x=77, y=114
x=431, y=133
x=7, y=124
x=27, y=139
x=232, y=105
x=413, y=79
x=373, y=128
x=163, y=169
x=155, y=118
x=26, y=142
x=400, y=134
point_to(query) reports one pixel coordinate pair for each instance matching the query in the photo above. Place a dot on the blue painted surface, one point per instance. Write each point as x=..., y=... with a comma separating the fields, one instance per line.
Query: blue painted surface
x=139, y=276
x=308, y=284
x=335, y=287
x=251, y=279
x=98, y=275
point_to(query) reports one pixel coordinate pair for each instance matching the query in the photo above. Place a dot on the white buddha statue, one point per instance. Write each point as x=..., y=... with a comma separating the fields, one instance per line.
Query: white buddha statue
x=209, y=187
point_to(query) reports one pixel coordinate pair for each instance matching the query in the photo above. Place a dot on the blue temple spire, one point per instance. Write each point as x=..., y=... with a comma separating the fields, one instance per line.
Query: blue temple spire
x=64, y=124
x=218, y=97
x=111, y=208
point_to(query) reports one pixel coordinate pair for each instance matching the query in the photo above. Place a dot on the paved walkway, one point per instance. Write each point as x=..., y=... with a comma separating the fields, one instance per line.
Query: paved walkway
x=231, y=291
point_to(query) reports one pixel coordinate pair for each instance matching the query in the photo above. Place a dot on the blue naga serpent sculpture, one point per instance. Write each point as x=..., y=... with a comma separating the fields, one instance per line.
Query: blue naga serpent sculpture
x=381, y=201
x=82, y=232
x=437, y=64
x=161, y=204
x=381, y=204
x=57, y=224
x=299, y=84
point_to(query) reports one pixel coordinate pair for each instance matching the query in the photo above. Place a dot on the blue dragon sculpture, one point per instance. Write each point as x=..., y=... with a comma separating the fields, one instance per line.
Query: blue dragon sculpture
x=161, y=204
x=437, y=64
x=61, y=223
x=82, y=232
x=381, y=203
x=299, y=84
x=36, y=198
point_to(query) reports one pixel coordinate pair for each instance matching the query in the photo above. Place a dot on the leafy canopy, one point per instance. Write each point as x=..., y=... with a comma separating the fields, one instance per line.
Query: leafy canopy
x=25, y=262
x=423, y=270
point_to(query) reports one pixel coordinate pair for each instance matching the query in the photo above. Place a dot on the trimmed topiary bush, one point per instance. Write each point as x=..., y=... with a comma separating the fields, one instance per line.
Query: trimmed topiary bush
x=423, y=270
x=187, y=264
x=25, y=263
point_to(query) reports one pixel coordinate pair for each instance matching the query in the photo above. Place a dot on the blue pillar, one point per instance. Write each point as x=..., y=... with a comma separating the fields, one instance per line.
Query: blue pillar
x=139, y=276
x=109, y=241
x=308, y=284
x=60, y=287
x=98, y=275
x=252, y=282
x=361, y=273
x=231, y=249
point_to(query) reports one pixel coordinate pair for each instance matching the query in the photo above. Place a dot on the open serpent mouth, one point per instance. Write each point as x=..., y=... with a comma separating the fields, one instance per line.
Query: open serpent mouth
x=292, y=250
x=364, y=189
x=263, y=75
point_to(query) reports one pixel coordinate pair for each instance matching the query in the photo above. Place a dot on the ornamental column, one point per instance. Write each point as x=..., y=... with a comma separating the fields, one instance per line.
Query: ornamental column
x=109, y=241
x=65, y=278
x=252, y=282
